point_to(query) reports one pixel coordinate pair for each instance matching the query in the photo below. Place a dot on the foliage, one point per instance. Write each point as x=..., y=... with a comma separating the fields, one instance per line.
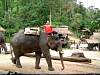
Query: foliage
x=17, y=14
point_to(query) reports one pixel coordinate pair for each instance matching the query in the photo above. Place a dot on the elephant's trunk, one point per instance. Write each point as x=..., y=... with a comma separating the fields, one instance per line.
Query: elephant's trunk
x=61, y=56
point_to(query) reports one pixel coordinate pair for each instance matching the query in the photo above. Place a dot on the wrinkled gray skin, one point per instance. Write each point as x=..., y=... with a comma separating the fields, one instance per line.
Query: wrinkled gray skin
x=22, y=44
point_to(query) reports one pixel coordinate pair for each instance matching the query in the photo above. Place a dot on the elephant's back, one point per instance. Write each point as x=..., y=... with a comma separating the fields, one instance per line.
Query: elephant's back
x=22, y=43
x=20, y=39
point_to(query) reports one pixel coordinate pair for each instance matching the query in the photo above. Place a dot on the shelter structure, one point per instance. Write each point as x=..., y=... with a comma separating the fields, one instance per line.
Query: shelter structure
x=94, y=41
x=62, y=30
x=86, y=32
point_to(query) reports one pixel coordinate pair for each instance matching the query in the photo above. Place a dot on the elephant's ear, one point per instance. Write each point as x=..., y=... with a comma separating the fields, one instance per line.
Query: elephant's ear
x=43, y=38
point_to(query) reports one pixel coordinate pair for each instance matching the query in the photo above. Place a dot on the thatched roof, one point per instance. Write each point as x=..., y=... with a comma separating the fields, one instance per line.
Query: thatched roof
x=92, y=41
x=95, y=38
x=96, y=35
x=2, y=29
x=62, y=30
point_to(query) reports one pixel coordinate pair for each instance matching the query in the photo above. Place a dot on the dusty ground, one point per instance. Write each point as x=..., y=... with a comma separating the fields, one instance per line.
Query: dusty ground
x=28, y=66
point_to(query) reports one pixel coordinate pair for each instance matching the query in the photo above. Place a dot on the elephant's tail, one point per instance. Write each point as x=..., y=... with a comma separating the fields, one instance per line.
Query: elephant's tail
x=12, y=55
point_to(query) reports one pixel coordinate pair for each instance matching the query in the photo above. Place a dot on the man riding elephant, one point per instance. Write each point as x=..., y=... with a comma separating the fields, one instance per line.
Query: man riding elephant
x=48, y=28
x=22, y=44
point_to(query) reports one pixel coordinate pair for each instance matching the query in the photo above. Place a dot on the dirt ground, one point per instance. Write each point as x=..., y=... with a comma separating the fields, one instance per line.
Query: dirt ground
x=29, y=63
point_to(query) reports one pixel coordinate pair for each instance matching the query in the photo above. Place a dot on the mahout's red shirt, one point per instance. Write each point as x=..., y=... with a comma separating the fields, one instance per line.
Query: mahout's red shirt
x=48, y=28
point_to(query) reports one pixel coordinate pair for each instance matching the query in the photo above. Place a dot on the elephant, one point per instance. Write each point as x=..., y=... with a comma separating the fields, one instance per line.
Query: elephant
x=3, y=44
x=40, y=44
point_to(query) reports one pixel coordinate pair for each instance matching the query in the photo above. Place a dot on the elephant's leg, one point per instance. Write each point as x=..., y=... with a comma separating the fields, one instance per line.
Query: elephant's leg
x=5, y=48
x=0, y=49
x=46, y=53
x=18, y=64
x=37, y=62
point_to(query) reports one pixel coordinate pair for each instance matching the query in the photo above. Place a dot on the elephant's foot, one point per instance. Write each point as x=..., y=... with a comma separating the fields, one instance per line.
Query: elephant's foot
x=13, y=60
x=37, y=67
x=19, y=66
x=51, y=69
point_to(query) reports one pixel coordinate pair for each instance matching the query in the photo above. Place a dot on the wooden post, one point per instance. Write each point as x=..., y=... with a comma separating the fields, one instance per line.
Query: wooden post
x=50, y=16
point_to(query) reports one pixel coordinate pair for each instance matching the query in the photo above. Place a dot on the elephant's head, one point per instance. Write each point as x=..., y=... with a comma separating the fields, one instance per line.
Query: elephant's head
x=55, y=43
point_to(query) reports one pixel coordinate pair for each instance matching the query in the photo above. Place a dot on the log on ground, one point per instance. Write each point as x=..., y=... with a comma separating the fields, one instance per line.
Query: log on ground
x=71, y=58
